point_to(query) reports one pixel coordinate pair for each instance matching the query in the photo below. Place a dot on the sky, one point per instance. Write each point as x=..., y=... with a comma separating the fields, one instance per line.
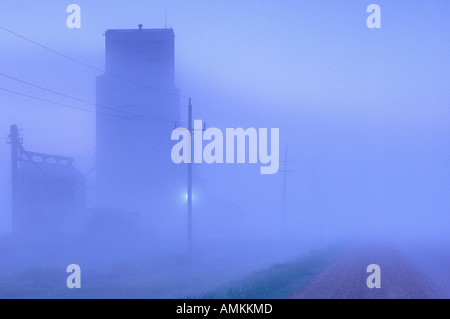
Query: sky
x=363, y=111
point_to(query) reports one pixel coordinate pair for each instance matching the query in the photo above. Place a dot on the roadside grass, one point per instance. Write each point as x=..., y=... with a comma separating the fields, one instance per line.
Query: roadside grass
x=280, y=281
x=130, y=280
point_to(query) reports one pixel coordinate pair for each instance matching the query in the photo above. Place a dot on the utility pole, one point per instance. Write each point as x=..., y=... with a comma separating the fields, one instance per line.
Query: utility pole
x=191, y=130
x=15, y=146
x=285, y=171
x=189, y=182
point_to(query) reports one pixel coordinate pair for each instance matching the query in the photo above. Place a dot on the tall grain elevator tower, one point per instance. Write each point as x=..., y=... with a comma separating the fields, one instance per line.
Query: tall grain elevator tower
x=138, y=106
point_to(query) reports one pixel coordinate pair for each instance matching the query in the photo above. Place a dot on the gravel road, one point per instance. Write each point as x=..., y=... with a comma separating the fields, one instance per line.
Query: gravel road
x=346, y=278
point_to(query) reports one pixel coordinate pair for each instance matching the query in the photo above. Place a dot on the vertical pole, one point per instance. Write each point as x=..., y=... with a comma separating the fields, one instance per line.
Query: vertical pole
x=189, y=186
x=14, y=136
x=284, y=180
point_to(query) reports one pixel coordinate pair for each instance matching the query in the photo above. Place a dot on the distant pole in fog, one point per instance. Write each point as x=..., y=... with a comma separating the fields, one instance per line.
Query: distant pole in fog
x=15, y=146
x=285, y=171
x=189, y=181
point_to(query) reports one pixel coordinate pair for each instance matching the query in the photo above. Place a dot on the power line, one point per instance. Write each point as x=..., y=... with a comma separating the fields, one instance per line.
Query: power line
x=88, y=65
x=135, y=117
x=51, y=50
x=96, y=68
x=47, y=101
x=78, y=99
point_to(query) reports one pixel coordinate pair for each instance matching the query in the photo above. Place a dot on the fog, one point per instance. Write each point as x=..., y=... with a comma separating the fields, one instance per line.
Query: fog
x=362, y=113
